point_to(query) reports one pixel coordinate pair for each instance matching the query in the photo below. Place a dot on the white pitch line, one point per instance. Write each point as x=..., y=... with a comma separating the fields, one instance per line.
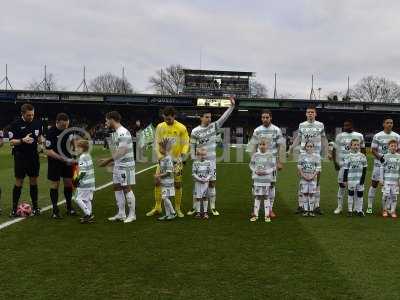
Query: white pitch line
x=16, y=220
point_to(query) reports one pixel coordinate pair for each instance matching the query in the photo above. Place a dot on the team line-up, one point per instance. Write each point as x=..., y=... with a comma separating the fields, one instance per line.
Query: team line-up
x=172, y=146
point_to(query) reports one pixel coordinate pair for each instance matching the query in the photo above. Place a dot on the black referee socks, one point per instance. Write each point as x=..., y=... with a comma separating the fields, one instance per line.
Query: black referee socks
x=54, y=200
x=16, y=195
x=68, y=197
x=34, y=196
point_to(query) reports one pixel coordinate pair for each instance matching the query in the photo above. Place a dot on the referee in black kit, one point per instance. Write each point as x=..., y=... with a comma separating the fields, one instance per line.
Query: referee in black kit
x=25, y=134
x=59, y=146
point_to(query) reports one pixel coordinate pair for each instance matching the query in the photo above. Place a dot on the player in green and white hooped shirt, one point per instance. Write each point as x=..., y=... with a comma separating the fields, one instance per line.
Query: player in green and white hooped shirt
x=165, y=179
x=263, y=167
x=389, y=178
x=340, y=152
x=202, y=172
x=314, y=131
x=276, y=143
x=123, y=159
x=309, y=168
x=205, y=135
x=379, y=148
x=85, y=181
x=355, y=169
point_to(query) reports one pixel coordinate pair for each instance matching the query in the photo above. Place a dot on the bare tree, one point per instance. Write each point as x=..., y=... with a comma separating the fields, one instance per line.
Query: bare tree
x=110, y=83
x=375, y=89
x=49, y=83
x=258, y=89
x=335, y=96
x=168, y=81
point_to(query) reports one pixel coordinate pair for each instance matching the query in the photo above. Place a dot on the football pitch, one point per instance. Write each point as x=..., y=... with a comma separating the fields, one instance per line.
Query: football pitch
x=226, y=257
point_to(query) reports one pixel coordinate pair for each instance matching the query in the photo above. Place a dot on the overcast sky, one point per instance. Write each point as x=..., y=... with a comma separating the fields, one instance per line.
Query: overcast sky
x=296, y=38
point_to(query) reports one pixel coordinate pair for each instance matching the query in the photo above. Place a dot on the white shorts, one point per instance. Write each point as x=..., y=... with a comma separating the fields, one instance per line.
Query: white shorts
x=200, y=190
x=356, y=188
x=308, y=187
x=167, y=192
x=124, y=175
x=340, y=177
x=213, y=170
x=84, y=194
x=390, y=189
x=265, y=191
x=376, y=172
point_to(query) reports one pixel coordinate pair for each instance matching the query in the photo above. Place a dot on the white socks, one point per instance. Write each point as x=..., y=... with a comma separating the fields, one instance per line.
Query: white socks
x=315, y=201
x=120, y=199
x=305, y=203
x=389, y=203
x=355, y=203
x=212, y=193
x=308, y=203
x=393, y=204
x=85, y=206
x=311, y=202
x=371, y=197
x=130, y=199
x=272, y=200
x=89, y=206
x=267, y=207
x=257, y=204
x=350, y=203
x=300, y=198
x=340, y=195
x=169, y=209
x=317, y=196
x=359, y=204
x=197, y=205
x=386, y=202
x=256, y=208
x=205, y=205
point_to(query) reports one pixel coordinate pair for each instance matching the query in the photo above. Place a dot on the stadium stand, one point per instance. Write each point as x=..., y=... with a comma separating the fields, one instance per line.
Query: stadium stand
x=87, y=110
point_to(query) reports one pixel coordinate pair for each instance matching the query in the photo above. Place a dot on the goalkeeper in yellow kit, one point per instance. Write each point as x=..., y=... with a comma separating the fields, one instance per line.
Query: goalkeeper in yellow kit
x=177, y=133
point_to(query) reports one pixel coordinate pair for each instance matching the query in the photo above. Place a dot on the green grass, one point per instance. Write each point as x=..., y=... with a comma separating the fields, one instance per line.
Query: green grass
x=328, y=257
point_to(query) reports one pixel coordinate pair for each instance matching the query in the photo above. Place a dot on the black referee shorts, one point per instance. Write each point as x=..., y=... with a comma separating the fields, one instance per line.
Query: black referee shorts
x=57, y=170
x=26, y=165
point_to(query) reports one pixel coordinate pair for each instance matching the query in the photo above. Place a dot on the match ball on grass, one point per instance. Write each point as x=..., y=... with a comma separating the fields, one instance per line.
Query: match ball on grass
x=24, y=210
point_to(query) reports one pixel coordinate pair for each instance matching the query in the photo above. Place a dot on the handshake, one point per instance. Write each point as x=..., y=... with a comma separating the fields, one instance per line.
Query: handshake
x=77, y=180
x=70, y=161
